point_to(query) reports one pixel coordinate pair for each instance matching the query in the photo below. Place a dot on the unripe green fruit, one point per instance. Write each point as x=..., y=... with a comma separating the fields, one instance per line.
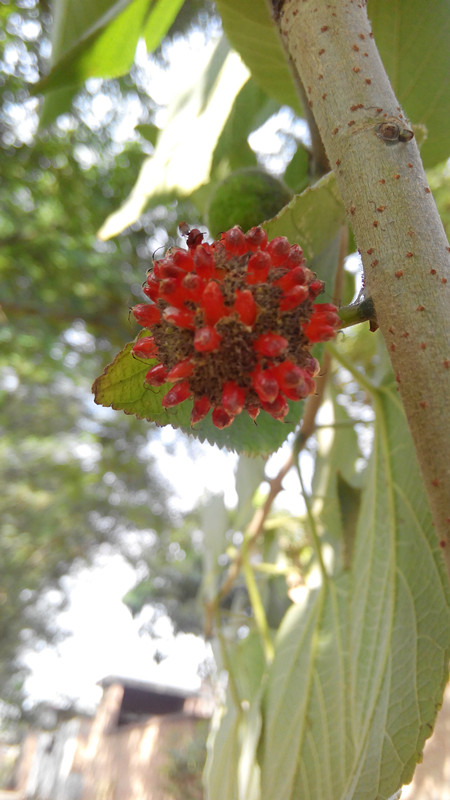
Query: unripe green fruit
x=247, y=197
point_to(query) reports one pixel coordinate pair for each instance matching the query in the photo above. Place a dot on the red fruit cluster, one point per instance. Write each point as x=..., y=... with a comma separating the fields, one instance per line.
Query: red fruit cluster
x=232, y=325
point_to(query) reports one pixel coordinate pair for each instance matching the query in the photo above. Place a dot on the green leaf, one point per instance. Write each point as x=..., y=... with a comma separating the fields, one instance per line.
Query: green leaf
x=349, y=499
x=360, y=667
x=148, y=132
x=232, y=771
x=98, y=39
x=335, y=462
x=251, y=31
x=161, y=16
x=296, y=174
x=251, y=108
x=97, y=46
x=249, y=475
x=214, y=524
x=121, y=386
x=412, y=37
x=312, y=219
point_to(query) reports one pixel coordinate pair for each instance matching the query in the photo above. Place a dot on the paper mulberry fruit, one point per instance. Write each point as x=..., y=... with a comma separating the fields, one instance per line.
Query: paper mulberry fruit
x=232, y=325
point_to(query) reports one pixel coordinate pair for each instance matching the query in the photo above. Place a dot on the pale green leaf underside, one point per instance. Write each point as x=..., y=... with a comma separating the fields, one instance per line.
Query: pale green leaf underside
x=122, y=387
x=231, y=771
x=359, y=670
x=312, y=218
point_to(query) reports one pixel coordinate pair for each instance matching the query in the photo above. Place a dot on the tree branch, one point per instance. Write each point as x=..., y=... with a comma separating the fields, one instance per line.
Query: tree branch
x=382, y=181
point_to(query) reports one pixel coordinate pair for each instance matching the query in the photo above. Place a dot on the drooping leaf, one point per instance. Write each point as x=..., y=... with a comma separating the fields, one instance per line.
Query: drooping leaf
x=121, y=386
x=148, y=132
x=96, y=39
x=214, y=522
x=251, y=108
x=335, y=461
x=232, y=771
x=349, y=500
x=249, y=475
x=251, y=31
x=161, y=16
x=296, y=173
x=360, y=668
x=412, y=37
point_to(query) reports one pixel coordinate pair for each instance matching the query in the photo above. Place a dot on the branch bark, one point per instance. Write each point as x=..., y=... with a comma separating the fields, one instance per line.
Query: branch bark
x=400, y=236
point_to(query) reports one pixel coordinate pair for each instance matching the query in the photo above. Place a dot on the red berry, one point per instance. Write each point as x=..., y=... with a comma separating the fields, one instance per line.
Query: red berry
x=235, y=241
x=177, y=394
x=302, y=390
x=270, y=344
x=156, y=376
x=256, y=238
x=258, y=267
x=312, y=366
x=295, y=257
x=288, y=374
x=183, y=260
x=295, y=382
x=253, y=411
x=194, y=286
x=146, y=314
x=145, y=347
x=327, y=309
x=206, y=339
x=278, y=408
x=295, y=277
x=169, y=270
x=200, y=409
x=315, y=288
x=179, y=317
x=213, y=303
x=278, y=250
x=171, y=291
x=293, y=298
x=204, y=262
x=323, y=323
x=220, y=418
x=151, y=288
x=245, y=306
x=233, y=398
x=265, y=384
x=181, y=370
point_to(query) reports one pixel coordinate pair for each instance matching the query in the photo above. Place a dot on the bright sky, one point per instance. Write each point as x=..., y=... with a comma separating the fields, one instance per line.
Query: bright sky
x=104, y=639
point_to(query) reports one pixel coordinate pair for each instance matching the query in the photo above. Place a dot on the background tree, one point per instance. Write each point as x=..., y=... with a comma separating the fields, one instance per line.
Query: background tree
x=334, y=696
x=71, y=480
